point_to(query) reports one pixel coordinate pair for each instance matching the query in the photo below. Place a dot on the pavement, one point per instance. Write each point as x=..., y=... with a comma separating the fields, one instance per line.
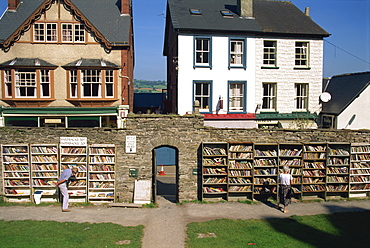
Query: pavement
x=165, y=226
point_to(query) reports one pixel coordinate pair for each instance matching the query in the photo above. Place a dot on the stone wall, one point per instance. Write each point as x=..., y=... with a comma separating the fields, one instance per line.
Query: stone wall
x=185, y=134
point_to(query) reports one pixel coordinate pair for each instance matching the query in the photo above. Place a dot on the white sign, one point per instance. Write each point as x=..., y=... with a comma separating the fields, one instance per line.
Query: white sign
x=142, y=191
x=73, y=141
x=130, y=144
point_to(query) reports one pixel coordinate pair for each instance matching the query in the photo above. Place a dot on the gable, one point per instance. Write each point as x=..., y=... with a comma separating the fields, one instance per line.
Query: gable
x=101, y=17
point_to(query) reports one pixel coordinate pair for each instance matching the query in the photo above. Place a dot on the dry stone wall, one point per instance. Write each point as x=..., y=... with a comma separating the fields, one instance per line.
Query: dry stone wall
x=184, y=133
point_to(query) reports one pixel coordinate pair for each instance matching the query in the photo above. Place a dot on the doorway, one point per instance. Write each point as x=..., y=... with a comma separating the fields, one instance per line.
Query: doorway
x=165, y=173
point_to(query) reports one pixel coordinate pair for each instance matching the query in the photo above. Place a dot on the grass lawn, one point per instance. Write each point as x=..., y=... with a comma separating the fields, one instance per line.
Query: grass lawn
x=323, y=231
x=29, y=233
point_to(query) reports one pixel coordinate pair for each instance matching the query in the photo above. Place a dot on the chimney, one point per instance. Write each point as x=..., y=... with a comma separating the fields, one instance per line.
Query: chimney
x=245, y=8
x=307, y=11
x=125, y=7
x=13, y=4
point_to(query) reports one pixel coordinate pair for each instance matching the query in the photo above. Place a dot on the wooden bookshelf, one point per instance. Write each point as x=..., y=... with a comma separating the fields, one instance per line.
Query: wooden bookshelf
x=75, y=156
x=314, y=170
x=360, y=170
x=214, y=171
x=265, y=170
x=290, y=154
x=240, y=171
x=44, y=171
x=101, y=173
x=16, y=172
x=337, y=170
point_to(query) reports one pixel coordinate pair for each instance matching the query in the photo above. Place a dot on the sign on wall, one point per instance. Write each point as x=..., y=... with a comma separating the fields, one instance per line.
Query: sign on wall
x=73, y=141
x=142, y=191
x=130, y=144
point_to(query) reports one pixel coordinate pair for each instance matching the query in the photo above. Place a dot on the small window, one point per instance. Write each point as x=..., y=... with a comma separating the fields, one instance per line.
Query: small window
x=195, y=12
x=301, y=96
x=269, y=53
x=39, y=32
x=236, y=53
x=202, y=52
x=301, y=54
x=51, y=32
x=269, y=96
x=227, y=13
x=109, y=83
x=45, y=83
x=236, y=97
x=202, y=93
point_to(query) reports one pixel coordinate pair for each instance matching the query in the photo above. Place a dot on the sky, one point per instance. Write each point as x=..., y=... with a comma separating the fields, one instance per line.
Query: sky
x=347, y=50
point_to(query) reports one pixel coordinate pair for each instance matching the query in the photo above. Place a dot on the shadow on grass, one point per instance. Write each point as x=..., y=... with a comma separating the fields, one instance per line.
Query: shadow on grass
x=345, y=227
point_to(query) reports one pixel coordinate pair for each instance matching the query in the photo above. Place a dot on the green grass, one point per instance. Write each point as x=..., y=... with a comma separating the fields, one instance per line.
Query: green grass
x=323, y=231
x=29, y=233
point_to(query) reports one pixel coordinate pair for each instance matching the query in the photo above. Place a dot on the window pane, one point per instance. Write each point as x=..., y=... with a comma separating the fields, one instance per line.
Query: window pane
x=25, y=83
x=202, y=51
x=269, y=96
x=91, y=83
x=269, y=53
x=67, y=32
x=236, y=97
x=39, y=33
x=51, y=32
x=45, y=83
x=79, y=33
x=202, y=94
x=8, y=83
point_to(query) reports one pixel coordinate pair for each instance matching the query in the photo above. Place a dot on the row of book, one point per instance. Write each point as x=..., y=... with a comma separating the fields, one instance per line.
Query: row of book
x=16, y=167
x=94, y=150
x=240, y=180
x=44, y=158
x=333, y=188
x=102, y=177
x=338, y=170
x=360, y=187
x=360, y=179
x=315, y=148
x=213, y=190
x=240, y=188
x=360, y=149
x=310, y=180
x=313, y=187
x=16, y=174
x=42, y=182
x=44, y=149
x=12, y=182
x=213, y=151
x=44, y=167
x=101, y=195
x=338, y=161
x=214, y=171
x=16, y=159
x=265, y=162
x=214, y=180
x=101, y=185
x=360, y=171
x=314, y=165
x=214, y=161
x=290, y=153
x=74, y=150
x=270, y=171
x=336, y=179
x=314, y=155
x=290, y=162
x=360, y=165
x=16, y=150
x=240, y=173
x=313, y=173
x=338, y=152
x=241, y=148
x=269, y=153
x=263, y=180
x=241, y=155
x=240, y=164
x=358, y=157
x=74, y=159
x=101, y=168
x=44, y=174
x=101, y=159
x=264, y=190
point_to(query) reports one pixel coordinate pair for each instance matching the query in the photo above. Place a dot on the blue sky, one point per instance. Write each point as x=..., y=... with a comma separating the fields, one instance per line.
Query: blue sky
x=348, y=22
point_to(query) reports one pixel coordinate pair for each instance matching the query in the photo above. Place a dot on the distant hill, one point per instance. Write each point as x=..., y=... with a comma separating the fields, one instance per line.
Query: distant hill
x=144, y=86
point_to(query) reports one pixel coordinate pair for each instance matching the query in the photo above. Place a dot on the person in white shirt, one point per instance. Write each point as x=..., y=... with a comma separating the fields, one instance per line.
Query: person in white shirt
x=285, y=188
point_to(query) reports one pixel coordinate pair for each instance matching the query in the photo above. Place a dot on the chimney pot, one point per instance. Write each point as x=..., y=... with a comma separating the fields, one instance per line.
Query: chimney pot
x=13, y=4
x=125, y=7
x=307, y=11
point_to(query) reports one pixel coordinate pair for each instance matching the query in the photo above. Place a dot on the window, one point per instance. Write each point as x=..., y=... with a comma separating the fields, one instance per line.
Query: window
x=39, y=32
x=269, y=53
x=202, y=52
x=237, y=57
x=79, y=33
x=301, y=54
x=269, y=96
x=91, y=83
x=25, y=83
x=301, y=96
x=202, y=91
x=67, y=32
x=51, y=32
x=109, y=82
x=45, y=83
x=94, y=83
x=8, y=83
x=237, y=97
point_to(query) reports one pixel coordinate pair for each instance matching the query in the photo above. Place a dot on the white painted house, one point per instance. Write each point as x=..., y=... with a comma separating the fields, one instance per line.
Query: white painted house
x=248, y=63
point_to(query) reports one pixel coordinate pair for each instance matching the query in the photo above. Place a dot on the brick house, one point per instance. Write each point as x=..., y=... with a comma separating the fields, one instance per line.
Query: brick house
x=248, y=63
x=66, y=63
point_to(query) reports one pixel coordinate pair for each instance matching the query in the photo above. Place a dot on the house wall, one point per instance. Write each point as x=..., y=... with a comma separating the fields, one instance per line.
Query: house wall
x=286, y=76
x=219, y=74
x=356, y=115
x=185, y=133
x=61, y=54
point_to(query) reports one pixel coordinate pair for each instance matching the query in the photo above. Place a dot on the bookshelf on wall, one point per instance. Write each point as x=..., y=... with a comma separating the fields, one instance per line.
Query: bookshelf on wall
x=291, y=155
x=314, y=170
x=337, y=170
x=265, y=170
x=16, y=172
x=214, y=171
x=75, y=156
x=44, y=171
x=101, y=173
x=360, y=170
x=240, y=171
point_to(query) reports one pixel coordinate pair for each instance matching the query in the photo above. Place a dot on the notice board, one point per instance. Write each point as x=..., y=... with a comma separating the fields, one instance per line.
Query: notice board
x=142, y=191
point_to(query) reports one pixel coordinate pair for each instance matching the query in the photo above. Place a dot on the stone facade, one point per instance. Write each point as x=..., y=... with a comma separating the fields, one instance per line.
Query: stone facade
x=184, y=133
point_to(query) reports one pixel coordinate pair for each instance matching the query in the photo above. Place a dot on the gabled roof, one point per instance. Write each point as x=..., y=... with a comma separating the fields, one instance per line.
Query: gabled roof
x=269, y=17
x=26, y=62
x=103, y=17
x=344, y=89
x=85, y=63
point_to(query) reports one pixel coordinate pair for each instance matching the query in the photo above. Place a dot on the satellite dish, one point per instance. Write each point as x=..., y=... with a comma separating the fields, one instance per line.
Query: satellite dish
x=325, y=97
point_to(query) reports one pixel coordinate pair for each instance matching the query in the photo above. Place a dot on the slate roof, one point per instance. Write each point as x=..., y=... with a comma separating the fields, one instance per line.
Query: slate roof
x=91, y=63
x=26, y=62
x=104, y=15
x=270, y=17
x=344, y=89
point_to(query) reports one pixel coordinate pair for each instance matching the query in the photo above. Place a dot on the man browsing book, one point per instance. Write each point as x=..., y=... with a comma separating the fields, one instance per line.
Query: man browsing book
x=62, y=183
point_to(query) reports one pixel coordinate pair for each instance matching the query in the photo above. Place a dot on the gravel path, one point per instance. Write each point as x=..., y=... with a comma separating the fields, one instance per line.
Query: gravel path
x=165, y=226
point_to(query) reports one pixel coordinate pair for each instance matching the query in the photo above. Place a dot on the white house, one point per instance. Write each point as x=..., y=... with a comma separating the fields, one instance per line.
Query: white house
x=246, y=62
x=350, y=97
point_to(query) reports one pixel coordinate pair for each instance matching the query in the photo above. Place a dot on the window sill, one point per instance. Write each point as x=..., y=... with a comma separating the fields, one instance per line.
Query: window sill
x=202, y=66
x=270, y=67
x=302, y=68
x=237, y=67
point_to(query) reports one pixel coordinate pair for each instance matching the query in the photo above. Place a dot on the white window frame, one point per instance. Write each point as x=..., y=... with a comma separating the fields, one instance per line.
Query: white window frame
x=109, y=83
x=302, y=52
x=39, y=32
x=8, y=83
x=203, y=97
x=25, y=80
x=202, y=52
x=269, y=53
x=91, y=79
x=73, y=84
x=237, y=97
x=45, y=83
x=79, y=33
x=51, y=32
x=67, y=32
x=301, y=99
x=237, y=53
x=269, y=96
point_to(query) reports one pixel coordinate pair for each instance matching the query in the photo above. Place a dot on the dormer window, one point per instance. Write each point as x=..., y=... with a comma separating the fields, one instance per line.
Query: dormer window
x=195, y=11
